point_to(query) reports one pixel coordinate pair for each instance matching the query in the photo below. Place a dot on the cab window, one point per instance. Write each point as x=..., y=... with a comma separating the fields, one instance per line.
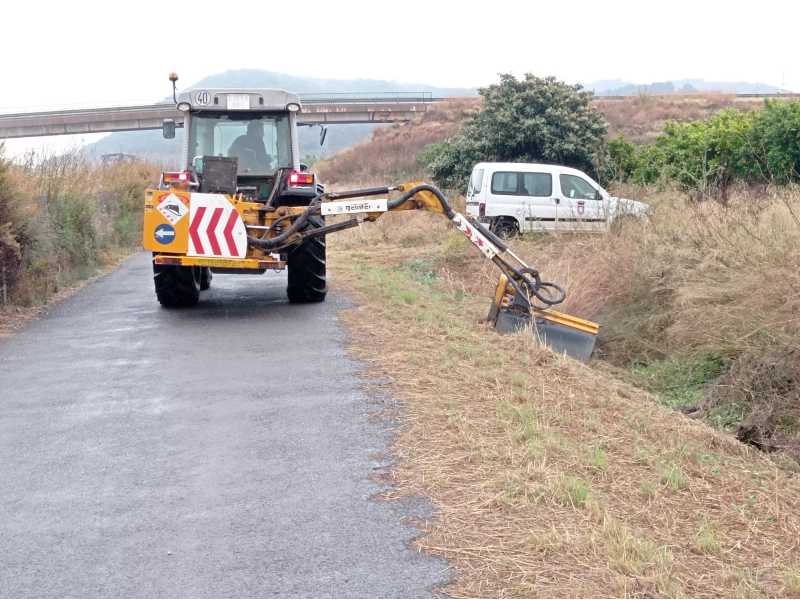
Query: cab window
x=576, y=187
x=522, y=184
x=261, y=143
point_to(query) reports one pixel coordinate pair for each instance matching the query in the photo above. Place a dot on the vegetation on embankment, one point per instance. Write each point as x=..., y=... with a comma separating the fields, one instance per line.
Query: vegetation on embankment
x=62, y=218
x=707, y=157
x=697, y=305
x=551, y=478
x=703, y=143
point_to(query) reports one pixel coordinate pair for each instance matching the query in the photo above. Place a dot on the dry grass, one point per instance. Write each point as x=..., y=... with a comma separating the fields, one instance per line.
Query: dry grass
x=63, y=218
x=551, y=478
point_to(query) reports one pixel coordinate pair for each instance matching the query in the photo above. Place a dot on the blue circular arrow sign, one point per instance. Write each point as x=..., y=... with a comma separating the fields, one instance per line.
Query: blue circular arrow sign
x=164, y=234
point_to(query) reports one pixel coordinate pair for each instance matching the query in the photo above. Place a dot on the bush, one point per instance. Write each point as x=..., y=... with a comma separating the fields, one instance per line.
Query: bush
x=618, y=161
x=73, y=221
x=62, y=216
x=10, y=247
x=776, y=142
x=708, y=156
x=529, y=120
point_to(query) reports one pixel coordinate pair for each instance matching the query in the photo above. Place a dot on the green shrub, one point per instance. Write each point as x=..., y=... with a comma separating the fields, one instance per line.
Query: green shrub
x=532, y=119
x=618, y=161
x=775, y=141
x=733, y=146
x=62, y=216
x=73, y=221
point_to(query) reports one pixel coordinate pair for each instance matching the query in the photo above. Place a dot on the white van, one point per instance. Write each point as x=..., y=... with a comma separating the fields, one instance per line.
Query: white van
x=520, y=197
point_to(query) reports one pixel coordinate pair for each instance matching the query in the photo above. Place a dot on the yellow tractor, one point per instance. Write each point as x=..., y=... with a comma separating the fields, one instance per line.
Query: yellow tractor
x=244, y=204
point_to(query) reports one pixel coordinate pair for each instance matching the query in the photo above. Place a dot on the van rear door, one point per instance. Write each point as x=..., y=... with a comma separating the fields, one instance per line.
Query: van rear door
x=474, y=193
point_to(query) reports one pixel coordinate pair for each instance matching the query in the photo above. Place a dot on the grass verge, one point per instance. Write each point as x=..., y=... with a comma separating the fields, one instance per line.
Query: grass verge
x=551, y=478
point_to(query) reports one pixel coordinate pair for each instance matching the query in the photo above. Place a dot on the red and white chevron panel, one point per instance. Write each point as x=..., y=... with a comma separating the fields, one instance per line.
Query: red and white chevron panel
x=215, y=228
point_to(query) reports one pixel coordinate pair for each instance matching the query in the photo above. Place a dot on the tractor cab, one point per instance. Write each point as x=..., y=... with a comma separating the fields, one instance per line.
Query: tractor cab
x=243, y=142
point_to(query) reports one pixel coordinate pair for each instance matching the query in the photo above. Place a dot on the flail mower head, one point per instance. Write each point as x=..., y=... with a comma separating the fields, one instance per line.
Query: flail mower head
x=513, y=309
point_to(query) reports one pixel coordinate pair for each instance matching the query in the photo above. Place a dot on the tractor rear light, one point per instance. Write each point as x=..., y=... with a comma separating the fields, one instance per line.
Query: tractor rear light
x=179, y=179
x=298, y=178
x=482, y=209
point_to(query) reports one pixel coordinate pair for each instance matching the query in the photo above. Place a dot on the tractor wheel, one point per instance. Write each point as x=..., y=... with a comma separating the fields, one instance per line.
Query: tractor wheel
x=205, y=278
x=306, y=264
x=177, y=286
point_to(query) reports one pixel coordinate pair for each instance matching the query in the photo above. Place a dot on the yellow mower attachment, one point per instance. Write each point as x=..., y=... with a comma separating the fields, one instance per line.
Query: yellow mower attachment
x=559, y=331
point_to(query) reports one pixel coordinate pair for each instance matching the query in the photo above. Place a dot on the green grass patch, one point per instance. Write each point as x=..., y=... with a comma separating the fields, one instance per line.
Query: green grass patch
x=679, y=382
x=571, y=491
x=706, y=540
x=673, y=477
x=598, y=459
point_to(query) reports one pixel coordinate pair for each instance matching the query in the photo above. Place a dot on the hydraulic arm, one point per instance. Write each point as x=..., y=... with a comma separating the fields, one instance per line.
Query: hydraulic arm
x=522, y=299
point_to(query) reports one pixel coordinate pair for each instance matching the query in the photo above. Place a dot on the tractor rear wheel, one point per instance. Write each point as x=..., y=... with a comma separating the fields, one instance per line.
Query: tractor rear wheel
x=205, y=278
x=306, y=265
x=177, y=286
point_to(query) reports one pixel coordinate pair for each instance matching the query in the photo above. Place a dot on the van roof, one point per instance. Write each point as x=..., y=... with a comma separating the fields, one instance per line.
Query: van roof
x=526, y=167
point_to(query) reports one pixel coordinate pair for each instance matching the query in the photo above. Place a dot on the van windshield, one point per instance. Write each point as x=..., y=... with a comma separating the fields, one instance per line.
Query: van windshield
x=261, y=143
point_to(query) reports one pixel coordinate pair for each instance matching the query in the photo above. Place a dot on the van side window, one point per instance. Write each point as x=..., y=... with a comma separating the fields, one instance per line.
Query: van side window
x=504, y=183
x=537, y=184
x=476, y=183
x=576, y=187
x=522, y=184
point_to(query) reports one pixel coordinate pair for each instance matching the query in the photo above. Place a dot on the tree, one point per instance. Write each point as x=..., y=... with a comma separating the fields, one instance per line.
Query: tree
x=532, y=119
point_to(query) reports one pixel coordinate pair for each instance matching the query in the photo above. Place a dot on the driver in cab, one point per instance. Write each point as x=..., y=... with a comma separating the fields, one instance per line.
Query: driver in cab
x=249, y=149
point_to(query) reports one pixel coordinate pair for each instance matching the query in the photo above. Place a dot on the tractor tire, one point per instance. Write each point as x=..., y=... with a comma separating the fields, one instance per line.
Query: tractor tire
x=205, y=278
x=176, y=286
x=306, y=266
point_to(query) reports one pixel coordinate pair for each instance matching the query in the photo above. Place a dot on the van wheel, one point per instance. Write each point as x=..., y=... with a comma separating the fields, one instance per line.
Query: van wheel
x=505, y=228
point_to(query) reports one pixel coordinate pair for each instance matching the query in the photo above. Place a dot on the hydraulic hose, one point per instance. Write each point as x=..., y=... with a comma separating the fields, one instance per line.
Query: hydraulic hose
x=448, y=210
x=297, y=225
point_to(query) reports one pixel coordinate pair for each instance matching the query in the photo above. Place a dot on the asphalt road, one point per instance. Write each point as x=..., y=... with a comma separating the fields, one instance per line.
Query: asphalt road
x=226, y=450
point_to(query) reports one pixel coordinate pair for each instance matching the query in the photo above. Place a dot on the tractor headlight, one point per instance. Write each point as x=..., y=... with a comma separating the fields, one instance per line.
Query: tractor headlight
x=293, y=107
x=184, y=106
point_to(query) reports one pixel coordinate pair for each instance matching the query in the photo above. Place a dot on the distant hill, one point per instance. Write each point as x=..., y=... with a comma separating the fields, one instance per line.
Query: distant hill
x=151, y=145
x=618, y=87
x=270, y=79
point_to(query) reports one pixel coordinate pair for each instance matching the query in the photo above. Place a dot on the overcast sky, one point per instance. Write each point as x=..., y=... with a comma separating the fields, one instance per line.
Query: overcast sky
x=64, y=54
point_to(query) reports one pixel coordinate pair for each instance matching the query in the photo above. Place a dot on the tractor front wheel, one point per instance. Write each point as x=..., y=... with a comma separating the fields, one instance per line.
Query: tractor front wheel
x=177, y=286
